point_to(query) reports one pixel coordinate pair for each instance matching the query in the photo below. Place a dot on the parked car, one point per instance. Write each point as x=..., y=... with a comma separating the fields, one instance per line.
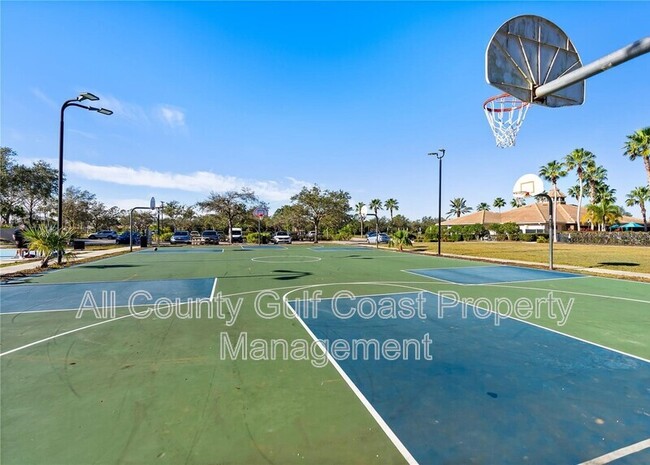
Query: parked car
x=311, y=236
x=281, y=236
x=236, y=235
x=372, y=238
x=123, y=238
x=103, y=234
x=194, y=234
x=181, y=237
x=210, y=236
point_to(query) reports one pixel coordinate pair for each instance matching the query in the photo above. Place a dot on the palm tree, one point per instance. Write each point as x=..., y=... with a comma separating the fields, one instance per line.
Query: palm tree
x=578, y=160
x=458, y=207
x=515, y=203
x=498, y=203
x=400, y=238
x=390, y=205
x=45, y=240
x=482, y=207
x=553, y=171
x=639, y=196
x=375, y=206
x=594, y=175
x=638, y=145
x=603, y=214
x=358, y=208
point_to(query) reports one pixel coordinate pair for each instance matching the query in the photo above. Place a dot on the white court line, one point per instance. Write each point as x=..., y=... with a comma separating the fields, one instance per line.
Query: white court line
x=62, y=334
x=380, y=421
x=559, y=291
x=617, y=454
x=214, y=288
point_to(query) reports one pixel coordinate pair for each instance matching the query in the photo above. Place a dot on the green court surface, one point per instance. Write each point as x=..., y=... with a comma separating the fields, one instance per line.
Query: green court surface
x=135, y=359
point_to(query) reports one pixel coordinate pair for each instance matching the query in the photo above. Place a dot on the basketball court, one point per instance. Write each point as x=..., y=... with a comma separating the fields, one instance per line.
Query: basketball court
x=285, y=355
x=342, y=354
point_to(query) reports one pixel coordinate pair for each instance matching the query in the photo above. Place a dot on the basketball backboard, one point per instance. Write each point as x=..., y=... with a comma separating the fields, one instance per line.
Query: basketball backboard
x=528, y=185
x=364, y=211
x=529, y=51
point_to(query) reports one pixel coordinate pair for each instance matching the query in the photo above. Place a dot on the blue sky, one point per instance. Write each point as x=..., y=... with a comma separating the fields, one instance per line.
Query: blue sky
x=214, y=96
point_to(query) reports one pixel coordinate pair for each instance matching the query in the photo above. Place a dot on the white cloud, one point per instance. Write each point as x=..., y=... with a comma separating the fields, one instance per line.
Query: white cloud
x=172, y=117
x=199, y=181
x=44, y=98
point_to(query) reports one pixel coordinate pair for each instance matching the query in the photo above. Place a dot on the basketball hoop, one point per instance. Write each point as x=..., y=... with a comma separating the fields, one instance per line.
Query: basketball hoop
x=505, y=114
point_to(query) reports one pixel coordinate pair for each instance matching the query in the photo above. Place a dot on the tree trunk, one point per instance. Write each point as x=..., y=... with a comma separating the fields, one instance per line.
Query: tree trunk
x=646, y=162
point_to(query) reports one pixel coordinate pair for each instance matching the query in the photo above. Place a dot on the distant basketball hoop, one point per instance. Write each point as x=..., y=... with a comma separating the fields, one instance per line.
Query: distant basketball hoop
x=505, y=114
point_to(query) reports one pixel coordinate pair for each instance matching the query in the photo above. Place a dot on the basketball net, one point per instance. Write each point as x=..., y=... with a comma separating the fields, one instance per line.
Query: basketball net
x=505, y=114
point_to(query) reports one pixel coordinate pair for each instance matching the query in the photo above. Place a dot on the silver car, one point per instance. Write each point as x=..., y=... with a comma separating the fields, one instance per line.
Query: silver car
x=281, y=236
x=181, y=237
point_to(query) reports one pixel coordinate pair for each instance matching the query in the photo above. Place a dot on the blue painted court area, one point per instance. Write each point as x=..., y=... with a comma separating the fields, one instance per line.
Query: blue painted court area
x=17, y=298
x=490, y=274
x=507, y=394
x=263, y=247
x=357, y=248
x=206, y=250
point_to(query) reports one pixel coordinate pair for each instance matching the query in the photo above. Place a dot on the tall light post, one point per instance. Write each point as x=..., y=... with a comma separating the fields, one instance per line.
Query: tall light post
x=440, y=154
x=71, y=103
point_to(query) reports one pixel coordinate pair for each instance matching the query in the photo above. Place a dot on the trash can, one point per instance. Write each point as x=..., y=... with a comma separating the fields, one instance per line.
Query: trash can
x=143, y=240
x=78, y=244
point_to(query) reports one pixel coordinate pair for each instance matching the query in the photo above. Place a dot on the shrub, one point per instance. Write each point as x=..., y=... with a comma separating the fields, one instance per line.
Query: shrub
x=542, y=239
x=253, y=238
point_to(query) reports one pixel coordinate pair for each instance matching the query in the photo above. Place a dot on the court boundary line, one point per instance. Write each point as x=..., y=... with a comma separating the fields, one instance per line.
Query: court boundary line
x=559, y=291
x=353, y=387
x=577, y=338
x=619, y=453
x=263, y=246
x=281, y=262
x=575, y=276
x=65, y=333
x=397, y=284
x=214, y=286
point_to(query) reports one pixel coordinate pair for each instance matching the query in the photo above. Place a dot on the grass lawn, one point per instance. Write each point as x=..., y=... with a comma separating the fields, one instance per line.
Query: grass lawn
x=624, y=258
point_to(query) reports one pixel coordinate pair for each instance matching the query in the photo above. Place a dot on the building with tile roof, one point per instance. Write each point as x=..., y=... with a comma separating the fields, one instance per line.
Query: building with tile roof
x=533, y=218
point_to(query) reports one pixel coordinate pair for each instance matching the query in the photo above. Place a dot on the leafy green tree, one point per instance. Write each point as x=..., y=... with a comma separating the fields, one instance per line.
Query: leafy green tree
x=231, y=206
x=323, y=206
x=77, y=205
x=638, y=146
x=552, y=172
x=38, y=184
x=458, y=207
x=46, y=239
x=579, y=160
x=499, y=202
x=483, y=206
x=639, y=196
x=401, y=222
x=9, y=187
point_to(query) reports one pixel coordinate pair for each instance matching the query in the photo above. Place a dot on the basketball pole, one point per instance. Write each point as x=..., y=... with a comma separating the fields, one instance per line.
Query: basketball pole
x=622, y=55
x=551, y=234
x=439, y=156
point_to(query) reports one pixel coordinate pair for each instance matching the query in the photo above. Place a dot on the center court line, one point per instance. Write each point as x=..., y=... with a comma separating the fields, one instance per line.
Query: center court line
x=617, y=454
x=380, y=421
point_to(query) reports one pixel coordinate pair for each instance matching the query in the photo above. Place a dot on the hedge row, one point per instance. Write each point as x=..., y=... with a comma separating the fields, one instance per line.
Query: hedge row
x=608, y=238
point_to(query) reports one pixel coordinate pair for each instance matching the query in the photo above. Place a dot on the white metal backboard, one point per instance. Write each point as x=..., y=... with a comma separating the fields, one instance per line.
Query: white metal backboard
x=529, y=51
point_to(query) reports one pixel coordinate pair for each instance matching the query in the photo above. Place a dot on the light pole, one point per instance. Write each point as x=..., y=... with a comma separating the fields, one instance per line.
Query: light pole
x=440, y=154
x=71, y=103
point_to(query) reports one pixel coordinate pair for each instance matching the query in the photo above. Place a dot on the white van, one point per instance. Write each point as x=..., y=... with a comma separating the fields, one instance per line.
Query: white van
x=236, y=235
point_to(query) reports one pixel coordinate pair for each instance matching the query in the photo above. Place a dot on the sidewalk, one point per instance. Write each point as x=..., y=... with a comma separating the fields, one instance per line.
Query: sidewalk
x=22, y=265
